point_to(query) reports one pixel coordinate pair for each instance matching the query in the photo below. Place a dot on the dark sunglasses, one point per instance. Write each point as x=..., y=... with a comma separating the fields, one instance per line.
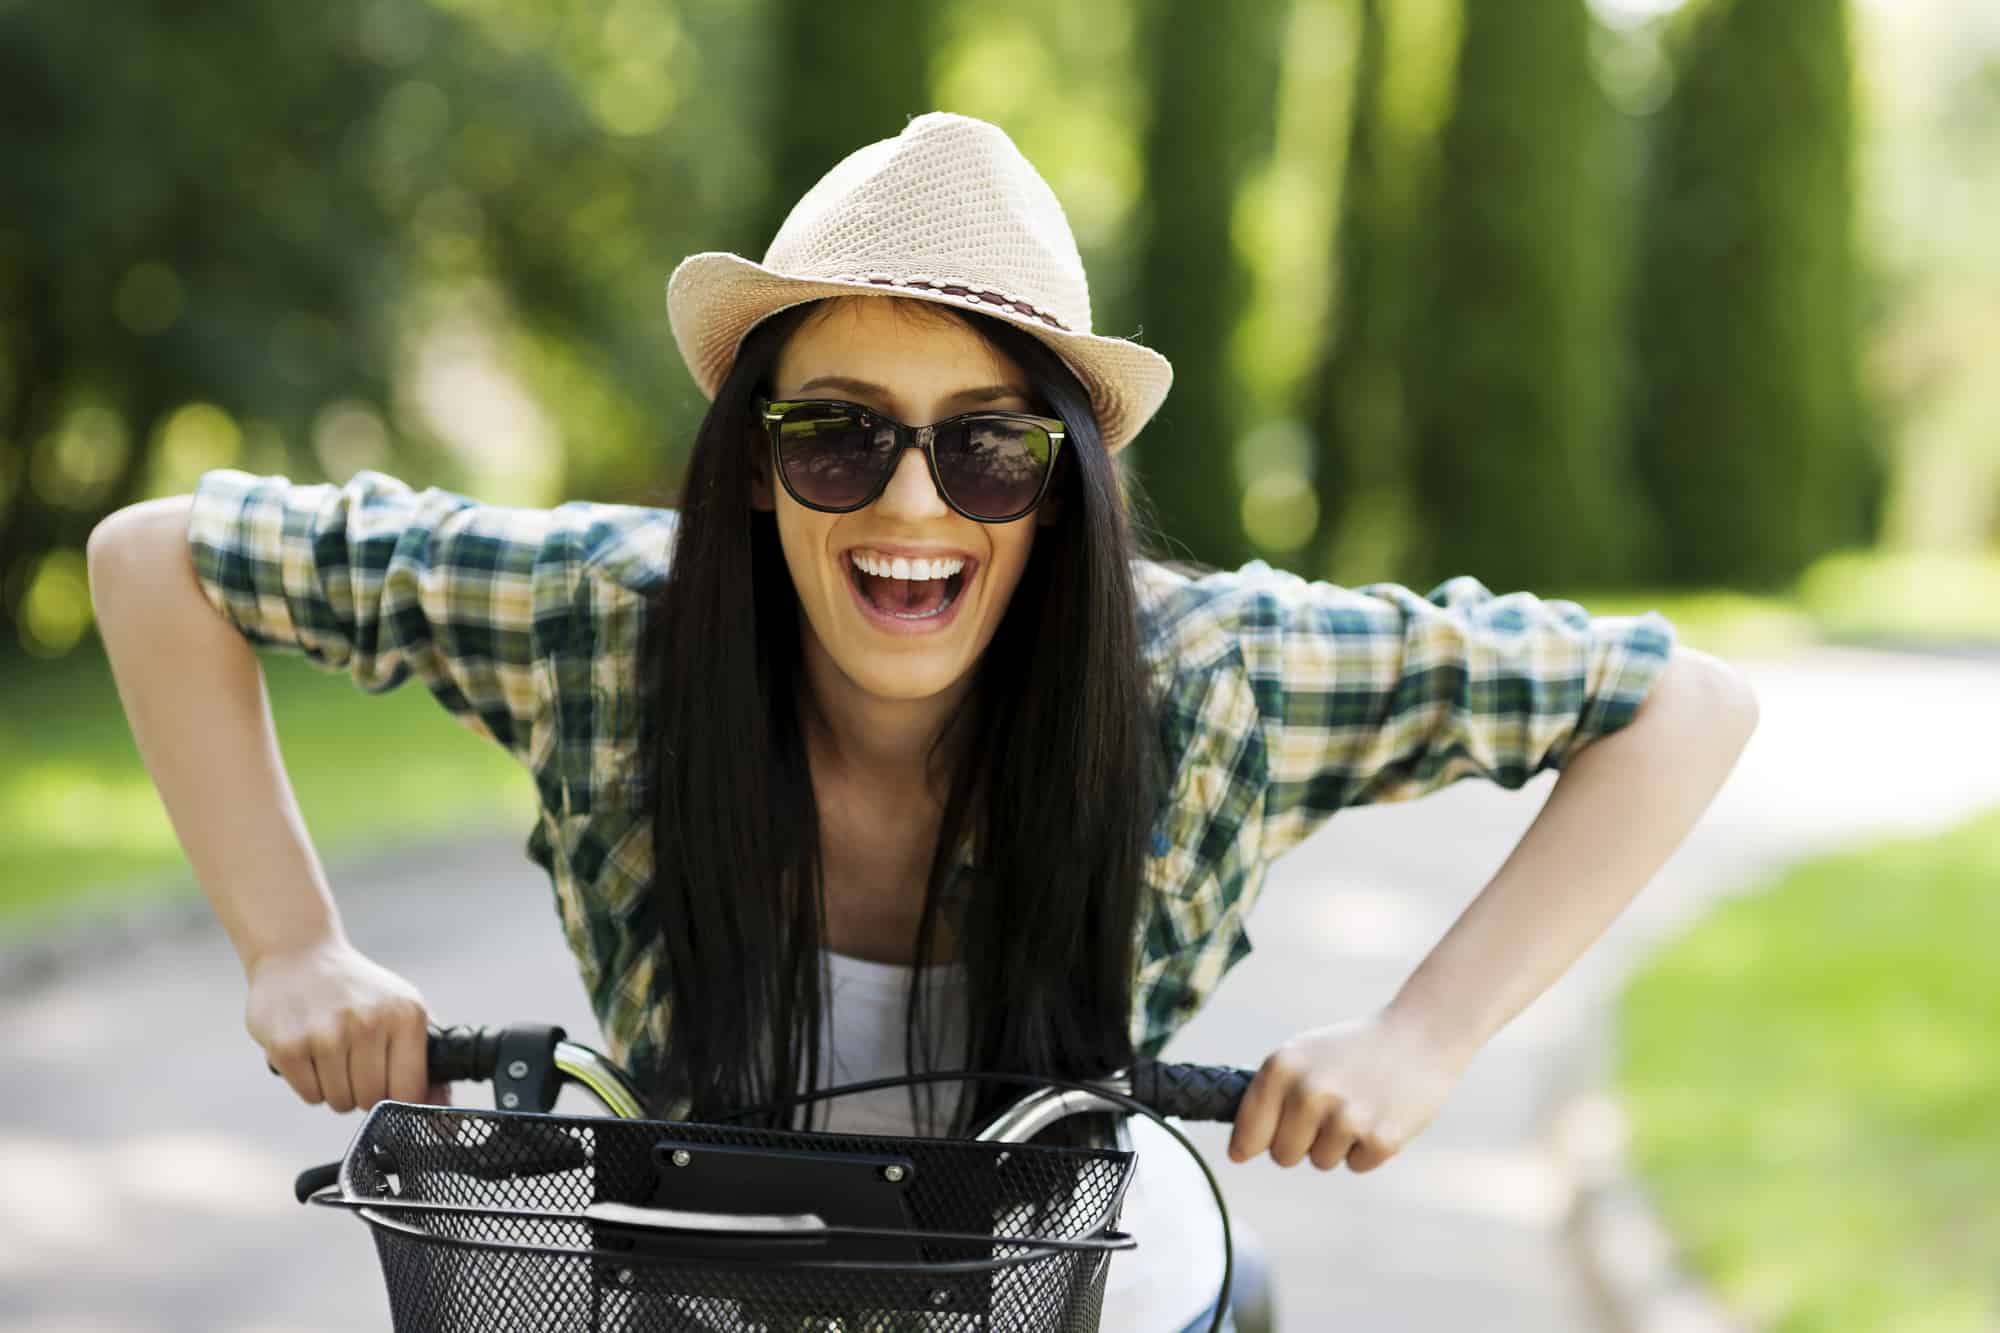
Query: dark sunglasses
x=836, y=457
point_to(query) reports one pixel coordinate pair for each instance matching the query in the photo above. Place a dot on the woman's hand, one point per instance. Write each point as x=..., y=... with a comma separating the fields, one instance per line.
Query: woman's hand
x=1355, y=1091
x=341, y=1028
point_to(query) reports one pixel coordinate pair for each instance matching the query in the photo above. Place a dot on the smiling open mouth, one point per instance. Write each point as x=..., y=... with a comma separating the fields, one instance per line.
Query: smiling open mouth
x=925, y=589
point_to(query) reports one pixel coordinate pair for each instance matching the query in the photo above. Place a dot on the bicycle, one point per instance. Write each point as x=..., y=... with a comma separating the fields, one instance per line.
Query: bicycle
x=519, y=1218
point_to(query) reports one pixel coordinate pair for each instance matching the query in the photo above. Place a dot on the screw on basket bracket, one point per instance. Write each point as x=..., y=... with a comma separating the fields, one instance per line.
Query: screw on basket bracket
x=518, y=1069
x=892, y=1174
x=510, y=1100
x=682, y=1157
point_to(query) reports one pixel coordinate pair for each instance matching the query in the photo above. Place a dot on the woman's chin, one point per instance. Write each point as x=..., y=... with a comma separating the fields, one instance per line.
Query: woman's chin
x=903, y=677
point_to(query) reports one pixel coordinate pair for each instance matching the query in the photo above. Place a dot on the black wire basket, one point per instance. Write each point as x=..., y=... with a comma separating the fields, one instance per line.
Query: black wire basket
x=498, y=1221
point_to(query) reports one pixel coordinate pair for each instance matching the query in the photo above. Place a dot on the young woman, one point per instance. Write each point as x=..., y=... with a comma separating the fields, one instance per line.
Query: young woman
x=884, y=747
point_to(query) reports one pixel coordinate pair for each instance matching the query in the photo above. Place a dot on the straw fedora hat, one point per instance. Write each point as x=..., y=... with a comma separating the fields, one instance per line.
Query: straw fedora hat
x=947, y=211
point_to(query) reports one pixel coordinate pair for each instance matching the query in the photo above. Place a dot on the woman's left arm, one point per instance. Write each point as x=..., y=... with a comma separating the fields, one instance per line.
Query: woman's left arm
x=1359, y=1090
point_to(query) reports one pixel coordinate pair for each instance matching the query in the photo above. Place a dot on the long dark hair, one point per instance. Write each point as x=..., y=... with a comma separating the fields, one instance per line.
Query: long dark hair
x=1056, y=788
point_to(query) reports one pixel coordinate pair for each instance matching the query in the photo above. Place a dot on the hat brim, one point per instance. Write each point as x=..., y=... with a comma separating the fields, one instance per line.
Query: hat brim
x=715, y=298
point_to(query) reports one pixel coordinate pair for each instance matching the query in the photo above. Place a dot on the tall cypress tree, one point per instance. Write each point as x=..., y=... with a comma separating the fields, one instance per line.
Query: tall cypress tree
x=1215, y=74
x=1357, y=395
x=844, y=76
x=1510, y=384
x=1746, y=420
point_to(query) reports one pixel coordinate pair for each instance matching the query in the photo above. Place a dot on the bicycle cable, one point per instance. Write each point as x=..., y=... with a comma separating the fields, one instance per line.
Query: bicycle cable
x=1032, y=1080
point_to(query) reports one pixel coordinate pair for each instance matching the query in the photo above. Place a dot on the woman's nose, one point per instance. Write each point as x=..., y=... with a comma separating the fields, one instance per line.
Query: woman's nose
x=910, y=493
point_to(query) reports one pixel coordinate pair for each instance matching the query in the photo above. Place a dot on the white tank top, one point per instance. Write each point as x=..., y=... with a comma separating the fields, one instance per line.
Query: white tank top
x=1157, y=1288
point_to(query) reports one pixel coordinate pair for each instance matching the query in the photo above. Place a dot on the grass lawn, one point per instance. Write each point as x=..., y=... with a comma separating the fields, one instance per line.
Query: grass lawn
x=1727, y=624
x=1813, y=1079
x=81, y=826
x=1864, y=597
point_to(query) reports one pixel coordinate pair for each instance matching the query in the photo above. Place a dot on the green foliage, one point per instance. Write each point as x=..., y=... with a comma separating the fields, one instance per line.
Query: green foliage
x=1214, y=77
x=269, y=217
x=847, y=76
x=80, y=818
x=185, y=216
x=1934, y=597
x=430, y=236
x=1810, y=1075
x=1747, y=419
x=1358, y=404
x=1510, y=378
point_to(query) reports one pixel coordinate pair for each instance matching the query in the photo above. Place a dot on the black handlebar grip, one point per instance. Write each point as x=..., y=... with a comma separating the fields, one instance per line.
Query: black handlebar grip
x=457, y=1055
x=1192, y=1092
x=463, y=1054
x=314, y=1179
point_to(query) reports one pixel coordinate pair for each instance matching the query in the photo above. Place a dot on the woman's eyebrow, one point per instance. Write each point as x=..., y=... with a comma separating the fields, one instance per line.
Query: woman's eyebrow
x=986, y=393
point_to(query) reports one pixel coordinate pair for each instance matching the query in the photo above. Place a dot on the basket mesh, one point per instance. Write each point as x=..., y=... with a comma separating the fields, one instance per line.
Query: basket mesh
x=457, y=1272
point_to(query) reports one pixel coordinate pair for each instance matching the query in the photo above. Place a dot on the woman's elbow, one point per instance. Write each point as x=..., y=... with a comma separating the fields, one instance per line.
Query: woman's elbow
x=1714, y=694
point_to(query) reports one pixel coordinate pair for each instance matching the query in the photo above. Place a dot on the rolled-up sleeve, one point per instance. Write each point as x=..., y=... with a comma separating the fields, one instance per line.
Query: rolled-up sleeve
x=1376, y=694
x=383, y=582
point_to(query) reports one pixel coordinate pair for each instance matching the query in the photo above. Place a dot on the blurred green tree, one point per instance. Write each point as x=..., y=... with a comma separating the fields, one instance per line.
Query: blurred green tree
x=1356, y=395
x=1509, y=381
x=843, y=77
x=231, y=236
x=1747, y=420
x=1214, y=74
x=180, y=222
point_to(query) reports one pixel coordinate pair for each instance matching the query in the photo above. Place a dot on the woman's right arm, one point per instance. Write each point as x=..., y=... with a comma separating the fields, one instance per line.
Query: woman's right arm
x=340, y=1028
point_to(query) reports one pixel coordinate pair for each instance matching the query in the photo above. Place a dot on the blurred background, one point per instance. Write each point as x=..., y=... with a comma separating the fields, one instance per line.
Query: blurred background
x=1638, y=302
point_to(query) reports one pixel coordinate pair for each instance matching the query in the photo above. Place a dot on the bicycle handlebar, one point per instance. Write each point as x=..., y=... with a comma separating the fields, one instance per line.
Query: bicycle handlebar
x=463, y=1055
x=1191, y=1092
x=1184, y=1091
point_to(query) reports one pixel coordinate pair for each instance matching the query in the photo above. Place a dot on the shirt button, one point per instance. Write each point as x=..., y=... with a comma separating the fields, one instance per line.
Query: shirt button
x=1160, y=843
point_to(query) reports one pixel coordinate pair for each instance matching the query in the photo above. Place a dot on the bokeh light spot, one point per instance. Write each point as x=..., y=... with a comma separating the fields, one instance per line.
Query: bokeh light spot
x=349, y=436
x=195, y=439
x=77, y=464
x=633, y=97
x=56, y=610
x=149, y=298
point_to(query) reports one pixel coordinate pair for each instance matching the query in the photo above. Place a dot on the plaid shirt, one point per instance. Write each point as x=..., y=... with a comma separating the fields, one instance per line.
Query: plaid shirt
x=1283, y=701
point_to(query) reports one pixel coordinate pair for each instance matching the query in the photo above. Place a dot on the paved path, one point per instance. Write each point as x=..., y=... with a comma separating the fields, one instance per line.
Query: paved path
x=146, y=1158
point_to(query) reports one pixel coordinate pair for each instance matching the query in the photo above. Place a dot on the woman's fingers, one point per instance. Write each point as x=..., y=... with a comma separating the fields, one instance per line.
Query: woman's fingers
x=1288, y=1114
x=1332, y=1144
x=368, y=1065
x=409, y=1070
x=1263, y=1104
x=330, y=1063
x=294, y=1061
x=1307, y=1109
x=1371, y=1150
x=340, y=1027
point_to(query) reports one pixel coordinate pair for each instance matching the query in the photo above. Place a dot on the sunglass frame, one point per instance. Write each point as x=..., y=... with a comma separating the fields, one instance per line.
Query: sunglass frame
x=920, y=437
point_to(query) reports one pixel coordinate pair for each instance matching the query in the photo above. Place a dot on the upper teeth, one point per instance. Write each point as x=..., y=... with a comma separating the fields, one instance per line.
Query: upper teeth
x=900, y=568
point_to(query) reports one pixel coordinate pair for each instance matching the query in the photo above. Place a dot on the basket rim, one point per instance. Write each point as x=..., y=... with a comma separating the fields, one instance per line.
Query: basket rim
x=625, y=1259
x=809, y=1137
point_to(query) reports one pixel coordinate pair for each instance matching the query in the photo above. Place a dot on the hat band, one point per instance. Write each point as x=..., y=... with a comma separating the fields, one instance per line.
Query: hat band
x=963, y=293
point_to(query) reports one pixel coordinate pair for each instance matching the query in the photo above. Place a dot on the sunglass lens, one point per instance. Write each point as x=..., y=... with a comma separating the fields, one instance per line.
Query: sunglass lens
x=833, y=456
x=994, y=467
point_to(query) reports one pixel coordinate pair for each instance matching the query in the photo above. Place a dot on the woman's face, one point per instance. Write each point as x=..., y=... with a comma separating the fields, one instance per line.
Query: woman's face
x=898, y=639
